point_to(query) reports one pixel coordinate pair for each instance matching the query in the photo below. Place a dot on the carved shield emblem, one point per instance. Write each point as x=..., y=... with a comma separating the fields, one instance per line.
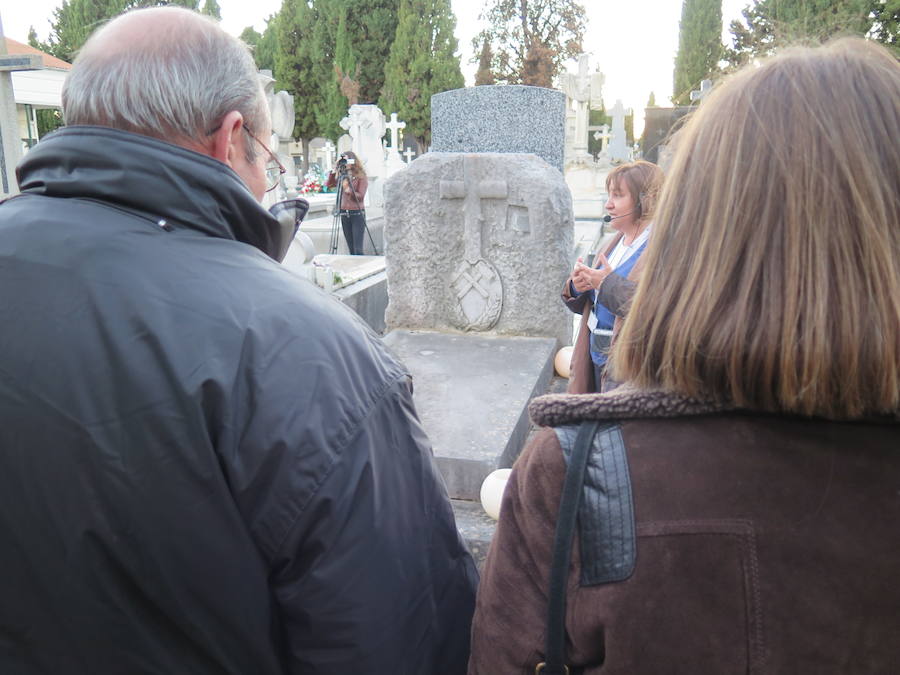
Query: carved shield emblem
x=478, y=293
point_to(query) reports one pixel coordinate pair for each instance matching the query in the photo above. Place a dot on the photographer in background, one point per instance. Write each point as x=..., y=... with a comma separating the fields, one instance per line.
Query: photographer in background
x=350, y=178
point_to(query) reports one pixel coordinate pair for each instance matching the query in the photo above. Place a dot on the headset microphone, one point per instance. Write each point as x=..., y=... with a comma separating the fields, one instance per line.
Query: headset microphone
x=607, y=218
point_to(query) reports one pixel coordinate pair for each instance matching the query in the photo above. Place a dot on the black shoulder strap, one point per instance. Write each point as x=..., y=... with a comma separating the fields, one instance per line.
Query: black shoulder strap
x=562, y=551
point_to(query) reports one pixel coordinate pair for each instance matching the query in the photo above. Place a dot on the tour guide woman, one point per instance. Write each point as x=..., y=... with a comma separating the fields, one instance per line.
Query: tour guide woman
x=353, y=192
x=739, y=509
x=602, y=294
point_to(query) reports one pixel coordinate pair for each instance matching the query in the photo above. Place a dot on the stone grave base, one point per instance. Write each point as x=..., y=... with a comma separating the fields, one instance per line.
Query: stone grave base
x=472, y=392
x=368, y=297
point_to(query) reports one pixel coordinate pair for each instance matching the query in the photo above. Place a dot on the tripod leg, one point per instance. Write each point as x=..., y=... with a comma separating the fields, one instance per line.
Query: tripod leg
x=368, y=232
x=337, y=216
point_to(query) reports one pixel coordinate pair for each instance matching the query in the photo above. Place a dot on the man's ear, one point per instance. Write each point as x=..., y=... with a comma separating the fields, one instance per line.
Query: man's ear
x=228, y=141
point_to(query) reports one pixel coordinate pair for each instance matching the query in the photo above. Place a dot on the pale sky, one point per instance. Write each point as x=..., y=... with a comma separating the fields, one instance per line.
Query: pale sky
x=633, y=42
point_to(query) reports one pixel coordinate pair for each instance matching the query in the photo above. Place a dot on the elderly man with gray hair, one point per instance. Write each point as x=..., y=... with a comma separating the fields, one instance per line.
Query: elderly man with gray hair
x=207, y=465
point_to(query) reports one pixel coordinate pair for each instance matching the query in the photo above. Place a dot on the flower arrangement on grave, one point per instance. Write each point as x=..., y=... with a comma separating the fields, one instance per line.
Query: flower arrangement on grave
x=313, y=181
x=311, y=185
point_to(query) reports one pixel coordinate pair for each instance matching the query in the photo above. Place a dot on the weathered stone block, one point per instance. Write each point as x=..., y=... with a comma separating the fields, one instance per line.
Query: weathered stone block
x=478, y=243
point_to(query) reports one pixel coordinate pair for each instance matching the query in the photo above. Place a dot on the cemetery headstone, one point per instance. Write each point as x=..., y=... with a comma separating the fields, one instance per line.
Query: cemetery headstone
x=393, y=161
x=329, y=156
x=478, y=243
x=584, y=91
x=281, y=112
x=659, y=124
x=705, y=87
x=365, y=125
x=618, y=146
x=500, y=119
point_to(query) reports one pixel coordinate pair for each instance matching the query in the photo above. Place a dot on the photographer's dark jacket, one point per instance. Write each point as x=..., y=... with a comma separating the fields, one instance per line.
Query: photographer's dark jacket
x=207, y=465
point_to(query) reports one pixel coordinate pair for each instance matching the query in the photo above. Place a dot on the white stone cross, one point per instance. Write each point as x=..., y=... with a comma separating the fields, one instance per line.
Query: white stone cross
x=601, y=134
x=705, y=88
x=408, y=153
x=394, y=126
x=329, y=154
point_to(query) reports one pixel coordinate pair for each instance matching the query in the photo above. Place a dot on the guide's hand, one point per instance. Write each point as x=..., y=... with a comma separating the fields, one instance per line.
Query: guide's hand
x=585, y=278
x=580, y=280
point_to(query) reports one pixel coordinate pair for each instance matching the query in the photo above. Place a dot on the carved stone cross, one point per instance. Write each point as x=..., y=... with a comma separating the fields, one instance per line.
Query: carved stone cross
x=472, y=191
x=408, y=153
x=476, y=283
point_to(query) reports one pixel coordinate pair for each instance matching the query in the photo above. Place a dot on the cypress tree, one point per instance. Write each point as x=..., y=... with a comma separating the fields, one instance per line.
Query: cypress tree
x=266, y=49
x=325, y=21
x=484, y=75
x=699, y=46
x=211, y=8
x=769, y=24
x=250, y=36
x=298, y=68
x=75, y=20
x=422, y=63
x=370, y=28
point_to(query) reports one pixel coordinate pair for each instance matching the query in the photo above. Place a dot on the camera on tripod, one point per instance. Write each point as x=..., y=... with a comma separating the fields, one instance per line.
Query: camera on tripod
x=344, y=161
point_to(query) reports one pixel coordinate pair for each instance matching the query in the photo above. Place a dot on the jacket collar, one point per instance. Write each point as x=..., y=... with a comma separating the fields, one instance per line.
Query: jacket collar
x=160, y=180
x=628, y=403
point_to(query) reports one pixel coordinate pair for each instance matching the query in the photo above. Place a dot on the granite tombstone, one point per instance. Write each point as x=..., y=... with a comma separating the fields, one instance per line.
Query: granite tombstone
x=500, y=118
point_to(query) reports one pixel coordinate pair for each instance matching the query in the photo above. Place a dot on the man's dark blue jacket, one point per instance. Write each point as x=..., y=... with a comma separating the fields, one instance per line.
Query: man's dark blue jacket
x=207, y=465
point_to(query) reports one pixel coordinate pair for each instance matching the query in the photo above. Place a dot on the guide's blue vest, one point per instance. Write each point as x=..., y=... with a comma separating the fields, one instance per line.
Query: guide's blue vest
x=605, y=318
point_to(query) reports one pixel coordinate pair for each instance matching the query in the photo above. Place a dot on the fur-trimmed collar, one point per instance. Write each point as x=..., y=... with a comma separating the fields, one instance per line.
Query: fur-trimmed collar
x=622, y=403
x=627, y=402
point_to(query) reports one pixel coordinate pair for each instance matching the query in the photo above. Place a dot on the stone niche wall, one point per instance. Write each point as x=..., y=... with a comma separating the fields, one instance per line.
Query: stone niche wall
x=478, y=243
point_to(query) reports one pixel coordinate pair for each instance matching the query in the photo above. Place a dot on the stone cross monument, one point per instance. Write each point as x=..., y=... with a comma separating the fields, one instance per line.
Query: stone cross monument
x=393, y=161
x=329, y=149
x=583, y=91
x=705, y=87
x=394, y=126
x=365, y=124
x=618, y=150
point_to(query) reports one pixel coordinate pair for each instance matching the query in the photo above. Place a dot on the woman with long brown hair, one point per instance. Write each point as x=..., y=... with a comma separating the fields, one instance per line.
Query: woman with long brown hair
x=350, y=173
x=737, y=499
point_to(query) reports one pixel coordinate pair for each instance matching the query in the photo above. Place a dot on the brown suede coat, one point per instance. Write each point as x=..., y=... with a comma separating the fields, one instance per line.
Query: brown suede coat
x=581, y=373
x=765, y=544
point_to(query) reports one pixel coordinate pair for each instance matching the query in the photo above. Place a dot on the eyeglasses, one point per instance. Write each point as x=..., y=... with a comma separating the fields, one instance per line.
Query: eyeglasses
x=274, y=169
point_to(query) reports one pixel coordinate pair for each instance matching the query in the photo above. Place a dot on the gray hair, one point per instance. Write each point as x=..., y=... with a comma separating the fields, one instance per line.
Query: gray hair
x=176, y=84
